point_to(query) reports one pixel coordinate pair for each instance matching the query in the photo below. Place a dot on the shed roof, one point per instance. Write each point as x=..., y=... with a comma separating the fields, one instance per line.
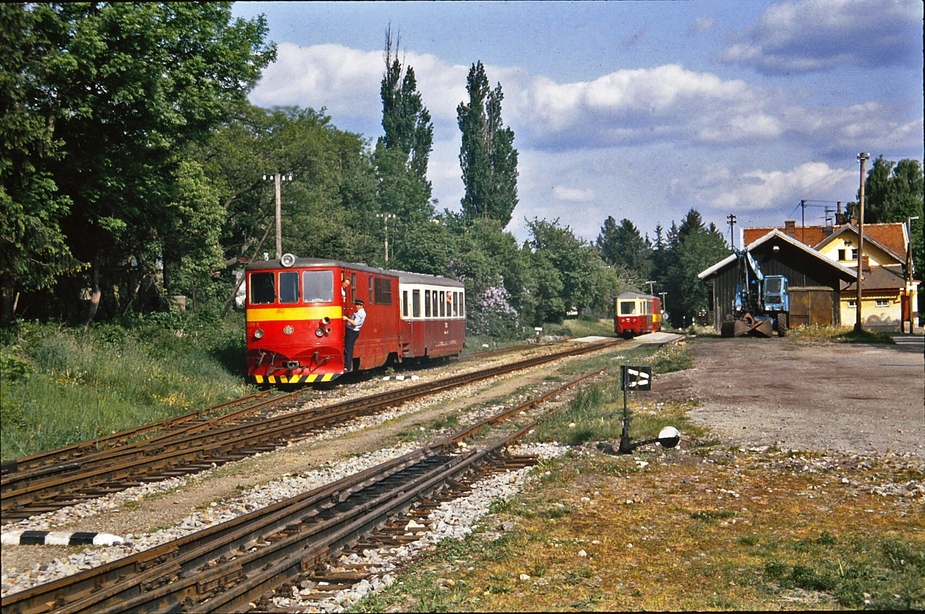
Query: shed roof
x=773, y=234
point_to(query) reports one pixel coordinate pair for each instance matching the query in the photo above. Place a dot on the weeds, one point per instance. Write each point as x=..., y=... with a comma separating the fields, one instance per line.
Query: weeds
x=61, y=385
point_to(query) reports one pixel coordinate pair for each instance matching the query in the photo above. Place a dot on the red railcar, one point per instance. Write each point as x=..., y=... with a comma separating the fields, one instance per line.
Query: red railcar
x=295, y=309
x=637, y=314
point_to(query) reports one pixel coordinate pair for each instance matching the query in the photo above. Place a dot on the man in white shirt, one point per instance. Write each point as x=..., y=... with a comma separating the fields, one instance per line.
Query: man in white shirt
x=353, y=331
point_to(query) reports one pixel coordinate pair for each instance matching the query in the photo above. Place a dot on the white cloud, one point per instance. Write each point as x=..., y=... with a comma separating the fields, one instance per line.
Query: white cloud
x=758, y=189
x=331, y=76
x=623, y=108
x=573, y=195
x=700, y=25
x=820, y=35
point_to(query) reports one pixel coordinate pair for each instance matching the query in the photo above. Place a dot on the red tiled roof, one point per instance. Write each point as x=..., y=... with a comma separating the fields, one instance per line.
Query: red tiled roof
x=891, y=235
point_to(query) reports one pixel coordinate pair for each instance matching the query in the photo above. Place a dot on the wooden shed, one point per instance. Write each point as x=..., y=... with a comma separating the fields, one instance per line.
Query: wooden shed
x=814, y=280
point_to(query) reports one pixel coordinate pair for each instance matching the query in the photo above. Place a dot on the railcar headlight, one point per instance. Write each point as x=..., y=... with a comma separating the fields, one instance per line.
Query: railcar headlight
x=325, y=320
x=258, y=334
x=288, y=330
x=319, y=332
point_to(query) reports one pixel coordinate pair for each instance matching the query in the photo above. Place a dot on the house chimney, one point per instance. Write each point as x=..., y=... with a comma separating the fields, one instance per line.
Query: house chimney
x=865, y=264
x=790, y=228
x=839, y=216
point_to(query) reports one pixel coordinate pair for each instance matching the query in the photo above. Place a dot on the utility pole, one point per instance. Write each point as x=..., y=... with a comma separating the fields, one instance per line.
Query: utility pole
x=651, y=287
x=731, y=219
x=385, y=220
x=909, y=275
x=863, y=158
x=277, y=180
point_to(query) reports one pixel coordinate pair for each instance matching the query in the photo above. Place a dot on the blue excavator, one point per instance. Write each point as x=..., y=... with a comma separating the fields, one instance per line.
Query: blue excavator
x=762, y=302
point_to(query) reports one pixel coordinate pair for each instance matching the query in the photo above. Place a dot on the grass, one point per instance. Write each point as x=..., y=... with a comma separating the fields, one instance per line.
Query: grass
x=676, y=535
x=596, y=413
x=66, y=385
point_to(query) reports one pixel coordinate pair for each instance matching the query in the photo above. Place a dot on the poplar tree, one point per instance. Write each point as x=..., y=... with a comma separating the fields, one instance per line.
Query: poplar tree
x=487, y=155
x=403, y=151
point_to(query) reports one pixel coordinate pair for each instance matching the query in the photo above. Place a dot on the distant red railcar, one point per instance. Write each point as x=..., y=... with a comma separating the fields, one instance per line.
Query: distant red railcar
x=637, y=314
x=295, y=308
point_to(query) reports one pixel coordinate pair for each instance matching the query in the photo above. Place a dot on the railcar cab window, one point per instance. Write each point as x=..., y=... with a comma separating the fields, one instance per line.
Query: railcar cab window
x=318, y=286
x=627, y=308
x=289, y=287
x=263, y=288
x=382, y=291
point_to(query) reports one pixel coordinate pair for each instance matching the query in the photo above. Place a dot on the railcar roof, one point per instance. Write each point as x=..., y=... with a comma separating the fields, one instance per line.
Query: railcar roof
x=403, y=276
x=634, y=295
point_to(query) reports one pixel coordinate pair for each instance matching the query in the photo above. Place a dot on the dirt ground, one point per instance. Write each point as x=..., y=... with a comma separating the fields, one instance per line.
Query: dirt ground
x=783, y=392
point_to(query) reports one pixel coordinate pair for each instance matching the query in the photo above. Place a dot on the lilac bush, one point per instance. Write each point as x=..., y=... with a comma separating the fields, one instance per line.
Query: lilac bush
x=492, y=315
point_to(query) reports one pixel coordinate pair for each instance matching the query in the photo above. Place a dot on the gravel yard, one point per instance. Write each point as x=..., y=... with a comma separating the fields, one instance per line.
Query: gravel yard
x=783, y=392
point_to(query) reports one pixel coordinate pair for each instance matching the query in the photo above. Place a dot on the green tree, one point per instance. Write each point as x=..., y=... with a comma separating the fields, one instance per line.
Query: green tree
x=487, y=155
x=402, y=153
x=327, y=199
x=123, y=90
x=895, y=192
x=692, y=247
x=622, y=246
x=578, y=264
x=33, y=247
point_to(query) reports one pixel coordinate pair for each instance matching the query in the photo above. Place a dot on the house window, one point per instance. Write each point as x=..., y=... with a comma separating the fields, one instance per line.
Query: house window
x=848, y=254
x=852, y=303
x=882, y=302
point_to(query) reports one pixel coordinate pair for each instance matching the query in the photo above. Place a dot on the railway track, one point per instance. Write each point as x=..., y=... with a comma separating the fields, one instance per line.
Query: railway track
x=192, y=444
x=238, y=565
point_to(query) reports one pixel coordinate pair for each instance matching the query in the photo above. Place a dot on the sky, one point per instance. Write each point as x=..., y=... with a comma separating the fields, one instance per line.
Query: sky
x=633, y=110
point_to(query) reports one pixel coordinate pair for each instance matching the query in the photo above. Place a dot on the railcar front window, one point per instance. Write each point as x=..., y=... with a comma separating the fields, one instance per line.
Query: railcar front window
x=627, y=308
x=289, y=287
x=263, y=288
x=318, y=286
